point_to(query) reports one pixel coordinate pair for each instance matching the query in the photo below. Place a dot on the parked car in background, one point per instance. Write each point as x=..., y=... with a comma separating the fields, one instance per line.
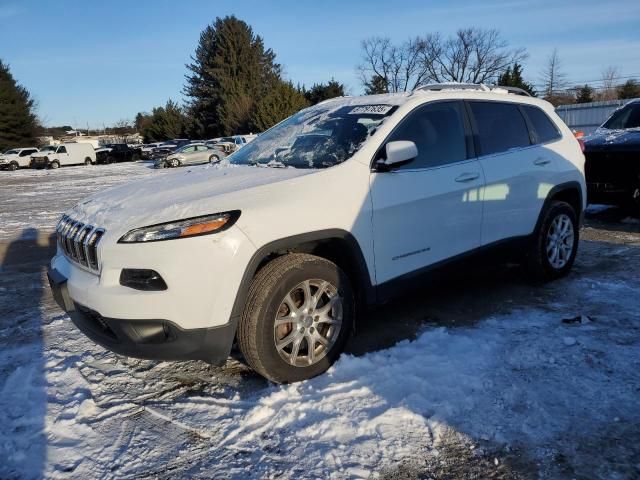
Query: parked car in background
x=168, y=147
x=63, y=155
x=16, y=158
x=147, y=149
x=191, y=154
x=382, y=190
x=239, y=140
x=612, y=155
x=117, y=152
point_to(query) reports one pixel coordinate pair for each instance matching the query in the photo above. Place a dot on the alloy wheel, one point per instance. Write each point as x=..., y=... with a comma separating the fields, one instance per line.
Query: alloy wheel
x=308, y=322
x=559, y=246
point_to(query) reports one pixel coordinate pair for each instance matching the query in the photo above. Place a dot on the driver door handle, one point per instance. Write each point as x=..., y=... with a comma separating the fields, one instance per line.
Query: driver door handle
x=467, y=177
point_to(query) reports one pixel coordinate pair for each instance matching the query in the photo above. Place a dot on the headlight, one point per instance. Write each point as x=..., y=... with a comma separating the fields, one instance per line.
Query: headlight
x=191, y=227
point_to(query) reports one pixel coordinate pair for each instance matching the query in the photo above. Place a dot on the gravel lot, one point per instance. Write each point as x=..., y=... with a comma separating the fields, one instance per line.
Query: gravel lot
x=480, y=375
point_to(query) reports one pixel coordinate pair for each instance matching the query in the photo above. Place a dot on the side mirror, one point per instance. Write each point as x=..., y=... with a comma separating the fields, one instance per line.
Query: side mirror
x=399, y=153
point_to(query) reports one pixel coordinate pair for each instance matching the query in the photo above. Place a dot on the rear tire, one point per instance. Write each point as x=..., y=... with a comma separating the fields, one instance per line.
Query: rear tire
x=87, y=161
x=214, y=159
x=297, y=318
x=555, y=244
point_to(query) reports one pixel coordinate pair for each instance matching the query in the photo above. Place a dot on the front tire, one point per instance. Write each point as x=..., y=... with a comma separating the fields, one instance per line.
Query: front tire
x=13, y=166
x=555, y=244
x=299, y=313
x=55, y=164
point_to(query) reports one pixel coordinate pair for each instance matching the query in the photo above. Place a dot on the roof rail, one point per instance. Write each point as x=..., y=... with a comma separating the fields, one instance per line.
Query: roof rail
x=435, y=87
x=514, y=90
x=453, y=86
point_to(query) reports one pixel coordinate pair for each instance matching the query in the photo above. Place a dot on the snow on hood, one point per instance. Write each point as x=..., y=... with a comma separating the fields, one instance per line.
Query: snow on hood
x=173, y=196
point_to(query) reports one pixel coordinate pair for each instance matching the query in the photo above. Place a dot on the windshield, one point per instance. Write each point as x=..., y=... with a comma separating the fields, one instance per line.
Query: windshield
x=317, y=137
x=12, y=152
x=626, y=117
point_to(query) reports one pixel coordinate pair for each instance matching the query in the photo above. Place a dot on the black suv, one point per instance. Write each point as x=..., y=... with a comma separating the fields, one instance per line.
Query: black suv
x=612, y=156
x=117, y=152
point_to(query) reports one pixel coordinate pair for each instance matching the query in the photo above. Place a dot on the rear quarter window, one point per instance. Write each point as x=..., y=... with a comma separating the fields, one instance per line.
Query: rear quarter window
x=500, y=127
x=544, y=130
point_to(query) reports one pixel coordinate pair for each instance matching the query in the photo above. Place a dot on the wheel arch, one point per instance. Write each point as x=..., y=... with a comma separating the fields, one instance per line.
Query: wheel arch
x=336, y=245
x=570, y=192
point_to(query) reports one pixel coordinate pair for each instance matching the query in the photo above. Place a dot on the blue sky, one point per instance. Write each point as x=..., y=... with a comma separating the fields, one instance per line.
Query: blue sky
x=99, y=62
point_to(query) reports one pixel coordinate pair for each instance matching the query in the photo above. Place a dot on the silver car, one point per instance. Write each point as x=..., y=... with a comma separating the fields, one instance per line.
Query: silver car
x=192, y=154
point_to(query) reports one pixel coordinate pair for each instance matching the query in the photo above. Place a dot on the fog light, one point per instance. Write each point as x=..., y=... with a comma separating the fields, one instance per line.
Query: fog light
x=142, y=279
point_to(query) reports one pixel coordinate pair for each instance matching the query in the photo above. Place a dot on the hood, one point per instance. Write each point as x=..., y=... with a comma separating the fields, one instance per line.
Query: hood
x=4, y=156
x=173, y=195
x=613, y=140
x=43, y=153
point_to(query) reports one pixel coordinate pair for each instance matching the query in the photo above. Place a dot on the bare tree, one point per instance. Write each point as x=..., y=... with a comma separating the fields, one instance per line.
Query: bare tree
x=400, y=67
x=123, y=124
x=608, y=77
x=472, y=55
x=553, y=78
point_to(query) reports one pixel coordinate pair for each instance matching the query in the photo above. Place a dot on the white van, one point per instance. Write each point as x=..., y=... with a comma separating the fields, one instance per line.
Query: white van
x=65, y=154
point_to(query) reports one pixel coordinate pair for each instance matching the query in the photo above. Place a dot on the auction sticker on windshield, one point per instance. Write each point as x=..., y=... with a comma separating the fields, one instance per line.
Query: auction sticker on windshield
x=376, y=109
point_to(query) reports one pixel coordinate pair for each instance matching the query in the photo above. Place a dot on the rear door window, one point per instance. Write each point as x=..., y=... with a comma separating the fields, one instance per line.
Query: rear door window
x=501, y=127
x=544, y=130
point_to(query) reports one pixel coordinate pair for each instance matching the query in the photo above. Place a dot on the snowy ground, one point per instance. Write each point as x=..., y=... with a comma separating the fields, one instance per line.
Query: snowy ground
x=478, y=377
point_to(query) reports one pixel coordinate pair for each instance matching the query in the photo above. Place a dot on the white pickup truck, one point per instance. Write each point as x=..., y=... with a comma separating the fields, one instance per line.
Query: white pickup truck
x=16, y=158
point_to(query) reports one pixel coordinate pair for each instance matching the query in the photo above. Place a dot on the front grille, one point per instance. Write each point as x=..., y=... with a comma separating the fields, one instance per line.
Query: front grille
x=79, y=242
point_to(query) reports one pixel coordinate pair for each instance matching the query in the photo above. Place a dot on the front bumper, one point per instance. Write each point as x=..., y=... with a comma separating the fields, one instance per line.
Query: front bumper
x=155, y=339
x=609, y=192
x=40, y=162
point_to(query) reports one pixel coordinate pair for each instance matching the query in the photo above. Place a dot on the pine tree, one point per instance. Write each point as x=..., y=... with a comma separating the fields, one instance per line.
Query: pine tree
x=165, y=123
x=282, y=100
x=18, y=122
x=629, y=89
x=320, y=92
x=512, y=77
x=377, y=84
x=584, y=94
x=230, y=71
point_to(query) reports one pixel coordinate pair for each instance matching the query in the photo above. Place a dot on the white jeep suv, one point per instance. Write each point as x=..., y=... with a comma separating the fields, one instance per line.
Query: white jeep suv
x=332, y=210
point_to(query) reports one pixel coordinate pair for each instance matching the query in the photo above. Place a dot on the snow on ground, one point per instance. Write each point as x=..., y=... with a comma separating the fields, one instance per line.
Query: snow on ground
x=511, y=385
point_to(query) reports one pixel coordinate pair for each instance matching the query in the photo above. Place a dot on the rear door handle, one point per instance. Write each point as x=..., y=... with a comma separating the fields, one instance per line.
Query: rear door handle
x=467, y=177
x=541, y=161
